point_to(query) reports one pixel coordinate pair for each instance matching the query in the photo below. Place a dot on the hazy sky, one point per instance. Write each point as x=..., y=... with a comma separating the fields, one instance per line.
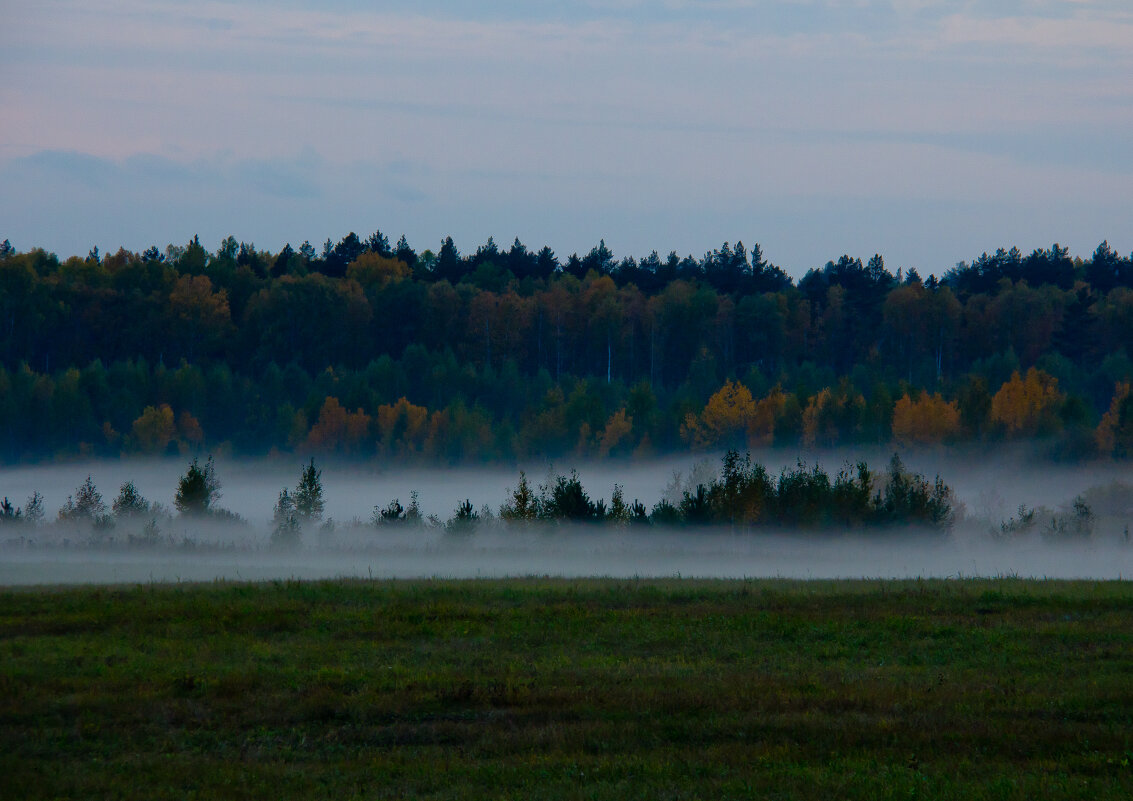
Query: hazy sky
x=929, y=131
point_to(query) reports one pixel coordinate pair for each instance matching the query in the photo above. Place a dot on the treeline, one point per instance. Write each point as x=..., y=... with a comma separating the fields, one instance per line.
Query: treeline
x=743, y=495
x=746, y=495
x=372, y=349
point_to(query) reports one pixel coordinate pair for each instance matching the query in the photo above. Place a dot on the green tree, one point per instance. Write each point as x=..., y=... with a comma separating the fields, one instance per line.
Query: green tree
x=309, y=503
x=85, y=505
x=33, y=509
x=523, y=504
x=129, y=502
x=198, y=489
x=286, y=532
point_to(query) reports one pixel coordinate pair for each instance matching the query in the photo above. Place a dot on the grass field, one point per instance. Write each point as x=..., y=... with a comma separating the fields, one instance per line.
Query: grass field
x=569, y=689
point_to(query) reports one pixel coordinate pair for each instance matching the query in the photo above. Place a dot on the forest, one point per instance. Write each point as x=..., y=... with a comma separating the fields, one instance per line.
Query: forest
x=371, y=350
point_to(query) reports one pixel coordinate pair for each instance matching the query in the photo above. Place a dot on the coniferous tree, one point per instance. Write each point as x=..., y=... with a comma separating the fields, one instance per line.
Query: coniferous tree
x=9, y=513
x=129, y=502
x=85, y=505
x=308, y=497
x=286, y=532
x=33, y=509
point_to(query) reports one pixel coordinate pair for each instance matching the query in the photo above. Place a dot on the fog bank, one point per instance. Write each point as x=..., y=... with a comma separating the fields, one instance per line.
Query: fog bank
x=990, y=488
x=566, y=552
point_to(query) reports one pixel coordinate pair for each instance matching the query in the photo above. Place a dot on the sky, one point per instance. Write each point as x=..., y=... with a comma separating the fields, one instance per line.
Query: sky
x=924, y=130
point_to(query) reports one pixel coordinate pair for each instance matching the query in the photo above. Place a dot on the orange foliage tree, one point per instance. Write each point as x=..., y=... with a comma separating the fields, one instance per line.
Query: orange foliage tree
x=189, y=430
x=724, y=420
x=761, y=426
x=1027, y=405
x=338, y=430
x=927, y=420
x=1115, y=432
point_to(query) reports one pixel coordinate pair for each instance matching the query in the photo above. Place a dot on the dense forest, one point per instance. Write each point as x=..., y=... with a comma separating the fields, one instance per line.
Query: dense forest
x=369, y=349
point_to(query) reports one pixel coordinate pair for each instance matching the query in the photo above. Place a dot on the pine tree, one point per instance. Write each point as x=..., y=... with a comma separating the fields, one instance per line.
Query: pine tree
x=286, y=533
x=308, y=497
x=33, y=509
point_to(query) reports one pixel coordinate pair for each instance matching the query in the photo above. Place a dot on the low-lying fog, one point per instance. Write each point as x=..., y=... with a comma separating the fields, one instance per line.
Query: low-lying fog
x=990, y=488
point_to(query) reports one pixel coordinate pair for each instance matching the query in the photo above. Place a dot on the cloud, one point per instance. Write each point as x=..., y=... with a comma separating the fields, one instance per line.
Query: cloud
x=560, y=122
x=1060, y=38
x=282, y=178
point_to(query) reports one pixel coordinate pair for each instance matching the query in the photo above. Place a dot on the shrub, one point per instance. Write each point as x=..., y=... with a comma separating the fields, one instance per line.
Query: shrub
x=10, y=514
x=464, y=519
x=909, y=498
x=568, y=501
x=393, y=513
x=665, y=514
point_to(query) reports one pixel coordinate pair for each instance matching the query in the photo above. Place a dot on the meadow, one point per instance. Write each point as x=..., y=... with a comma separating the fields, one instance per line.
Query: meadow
x=551, y=688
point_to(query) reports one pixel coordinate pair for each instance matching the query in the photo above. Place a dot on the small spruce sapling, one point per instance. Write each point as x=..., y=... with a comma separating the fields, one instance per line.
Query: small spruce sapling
x=523, y=505
x=85, y=505
x=33, y=509
x=130, y=502
x=9, y=513
x=286, y=532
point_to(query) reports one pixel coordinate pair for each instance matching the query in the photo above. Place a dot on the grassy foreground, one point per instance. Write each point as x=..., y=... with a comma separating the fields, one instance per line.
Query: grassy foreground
x=569, y=689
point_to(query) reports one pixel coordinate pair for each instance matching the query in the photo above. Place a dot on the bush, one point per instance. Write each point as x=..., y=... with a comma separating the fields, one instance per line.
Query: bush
x=568, y=501
x=909, y=498
x=665, y=514
x=10, y=514
x=393, y=513
x=464, y=520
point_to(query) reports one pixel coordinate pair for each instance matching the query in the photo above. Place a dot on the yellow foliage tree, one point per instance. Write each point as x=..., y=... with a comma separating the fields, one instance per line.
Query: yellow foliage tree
x=371, y=269
x=402, y=428
x=154, y=430
x=616, y=432
x=1027, y=405
x=724, y=420
x=928, y=420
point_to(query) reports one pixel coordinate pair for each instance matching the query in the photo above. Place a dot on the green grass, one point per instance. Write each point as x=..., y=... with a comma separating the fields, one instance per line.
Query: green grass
x=569, y=689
